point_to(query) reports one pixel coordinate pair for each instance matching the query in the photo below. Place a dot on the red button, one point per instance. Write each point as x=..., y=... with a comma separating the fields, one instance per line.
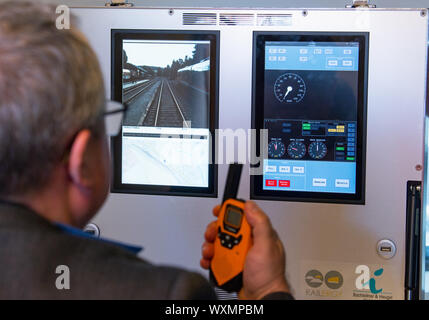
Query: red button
x=284, y=183
x=271, y=183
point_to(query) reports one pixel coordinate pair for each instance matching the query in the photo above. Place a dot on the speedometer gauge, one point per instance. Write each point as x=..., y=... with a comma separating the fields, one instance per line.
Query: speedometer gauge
x=289, y=88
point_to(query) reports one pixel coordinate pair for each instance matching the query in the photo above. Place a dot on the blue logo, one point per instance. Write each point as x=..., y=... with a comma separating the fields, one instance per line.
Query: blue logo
x=372, y=287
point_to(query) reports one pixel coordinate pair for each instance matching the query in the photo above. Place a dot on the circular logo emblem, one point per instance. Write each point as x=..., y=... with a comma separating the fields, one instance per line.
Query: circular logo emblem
x=314, y=278
x=334, y=280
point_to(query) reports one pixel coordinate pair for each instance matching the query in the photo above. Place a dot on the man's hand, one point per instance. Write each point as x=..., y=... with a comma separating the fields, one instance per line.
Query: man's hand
x=264, y=268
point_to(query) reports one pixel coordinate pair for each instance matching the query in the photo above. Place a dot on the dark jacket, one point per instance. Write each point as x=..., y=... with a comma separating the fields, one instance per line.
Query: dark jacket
x=31, y=249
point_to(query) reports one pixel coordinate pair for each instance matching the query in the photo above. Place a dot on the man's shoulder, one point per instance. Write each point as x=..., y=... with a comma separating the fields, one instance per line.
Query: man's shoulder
x=120, y=274
x=32, y=250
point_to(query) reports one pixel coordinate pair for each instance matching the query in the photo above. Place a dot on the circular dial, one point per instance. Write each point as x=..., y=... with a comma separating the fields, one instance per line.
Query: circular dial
x=276, y=149
x=317, y=150
x=289, y=88
x=296, y=150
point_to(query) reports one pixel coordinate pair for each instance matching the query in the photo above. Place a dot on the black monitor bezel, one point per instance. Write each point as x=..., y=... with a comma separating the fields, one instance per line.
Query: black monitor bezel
x=117, y=37
x=256, y=185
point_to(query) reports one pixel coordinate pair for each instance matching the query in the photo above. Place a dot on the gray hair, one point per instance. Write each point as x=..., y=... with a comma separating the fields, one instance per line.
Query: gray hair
x=51, y=87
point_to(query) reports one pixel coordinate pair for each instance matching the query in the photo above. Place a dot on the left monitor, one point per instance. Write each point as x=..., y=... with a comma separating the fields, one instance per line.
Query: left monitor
x=169, y=81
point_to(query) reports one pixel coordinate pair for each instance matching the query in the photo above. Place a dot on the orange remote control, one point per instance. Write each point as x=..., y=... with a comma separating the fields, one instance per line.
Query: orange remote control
x=233, y=240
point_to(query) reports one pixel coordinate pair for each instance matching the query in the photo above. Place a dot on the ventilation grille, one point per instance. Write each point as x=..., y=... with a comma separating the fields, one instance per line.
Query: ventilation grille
x=274, y=20
x=236, y=19
x=200, y=19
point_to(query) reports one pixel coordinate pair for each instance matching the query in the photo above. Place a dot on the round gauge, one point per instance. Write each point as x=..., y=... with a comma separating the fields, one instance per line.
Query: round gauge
x=289, y=88
x=296, y=150
x=276, y=149
x=317, y=150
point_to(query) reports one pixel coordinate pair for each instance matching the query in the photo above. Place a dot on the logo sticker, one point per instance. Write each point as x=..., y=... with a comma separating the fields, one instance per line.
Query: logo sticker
x=314, y=278
x=366, y=284
x=323, y=286
x=334, y=280
x=346, y=280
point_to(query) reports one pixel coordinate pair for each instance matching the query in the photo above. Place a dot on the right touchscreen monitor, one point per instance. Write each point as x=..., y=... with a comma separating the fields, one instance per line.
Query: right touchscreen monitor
x=310, y=94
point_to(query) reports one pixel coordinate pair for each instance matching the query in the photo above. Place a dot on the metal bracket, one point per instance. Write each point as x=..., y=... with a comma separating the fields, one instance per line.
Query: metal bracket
x=361, y=4
x=413, y=241
x=119, y=3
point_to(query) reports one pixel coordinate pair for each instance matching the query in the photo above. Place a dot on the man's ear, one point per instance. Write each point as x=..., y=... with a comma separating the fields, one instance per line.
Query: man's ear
x=77, y=166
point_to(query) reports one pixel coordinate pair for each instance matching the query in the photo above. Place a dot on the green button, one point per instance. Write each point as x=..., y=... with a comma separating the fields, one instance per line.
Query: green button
x=351, y=158
x=340, y=148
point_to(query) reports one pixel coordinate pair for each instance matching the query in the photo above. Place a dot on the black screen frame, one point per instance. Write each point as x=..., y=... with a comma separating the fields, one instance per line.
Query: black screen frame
x=256, y=181
x=117, y=37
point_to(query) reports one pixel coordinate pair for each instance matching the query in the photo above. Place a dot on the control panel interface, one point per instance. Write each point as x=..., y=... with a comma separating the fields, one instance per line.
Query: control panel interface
x=312, y=105
x=167, y=80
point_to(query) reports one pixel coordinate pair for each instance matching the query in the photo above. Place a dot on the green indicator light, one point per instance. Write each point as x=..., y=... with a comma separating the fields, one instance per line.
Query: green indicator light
x=351, y=158
x=340, y=148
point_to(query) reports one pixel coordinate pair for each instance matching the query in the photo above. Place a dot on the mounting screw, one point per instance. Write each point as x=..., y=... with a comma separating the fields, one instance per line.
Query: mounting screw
x=423, y=13
x=419, y=167
x=170, y=12
x=305, y=13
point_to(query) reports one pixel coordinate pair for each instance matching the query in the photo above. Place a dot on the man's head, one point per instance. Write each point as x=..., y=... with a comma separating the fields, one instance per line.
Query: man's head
x=52, y=144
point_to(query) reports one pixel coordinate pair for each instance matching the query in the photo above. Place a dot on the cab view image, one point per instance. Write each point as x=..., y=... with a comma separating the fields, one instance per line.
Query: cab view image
x=167, y=80
x=166, y=83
